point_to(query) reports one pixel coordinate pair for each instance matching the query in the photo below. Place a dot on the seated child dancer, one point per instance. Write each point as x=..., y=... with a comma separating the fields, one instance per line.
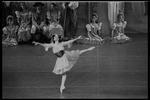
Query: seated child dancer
x=93, y=29
x=54, y=27
x=118, y=35
x=9, y=37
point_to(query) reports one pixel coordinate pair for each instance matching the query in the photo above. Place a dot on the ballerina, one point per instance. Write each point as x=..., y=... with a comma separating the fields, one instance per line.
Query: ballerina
x=65, y=59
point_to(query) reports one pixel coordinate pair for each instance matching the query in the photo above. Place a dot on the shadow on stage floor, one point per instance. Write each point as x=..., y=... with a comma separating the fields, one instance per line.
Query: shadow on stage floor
x=109, y=71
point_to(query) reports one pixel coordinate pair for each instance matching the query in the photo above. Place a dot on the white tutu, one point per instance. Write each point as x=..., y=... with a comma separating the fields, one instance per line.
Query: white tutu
x=66, y=62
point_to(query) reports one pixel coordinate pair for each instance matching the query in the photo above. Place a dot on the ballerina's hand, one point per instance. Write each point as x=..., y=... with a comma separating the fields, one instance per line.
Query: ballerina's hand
x=35, y=43
x=91, y=48
x=80, y=37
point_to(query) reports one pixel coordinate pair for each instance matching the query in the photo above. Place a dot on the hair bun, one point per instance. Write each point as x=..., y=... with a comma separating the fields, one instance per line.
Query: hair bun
x=95, y=14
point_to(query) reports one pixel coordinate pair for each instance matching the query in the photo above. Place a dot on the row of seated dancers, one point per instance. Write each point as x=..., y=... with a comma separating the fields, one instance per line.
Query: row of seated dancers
x=32, y=31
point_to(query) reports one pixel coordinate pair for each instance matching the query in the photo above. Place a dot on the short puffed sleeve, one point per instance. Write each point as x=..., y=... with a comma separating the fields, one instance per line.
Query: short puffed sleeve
x=99, y=25
x=88, y=27
x=125, y=22
x=114, y=25
x=17, y=14
x=4, y=30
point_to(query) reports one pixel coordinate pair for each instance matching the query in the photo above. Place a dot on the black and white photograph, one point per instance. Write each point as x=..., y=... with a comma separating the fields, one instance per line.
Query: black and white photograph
x=74, y=49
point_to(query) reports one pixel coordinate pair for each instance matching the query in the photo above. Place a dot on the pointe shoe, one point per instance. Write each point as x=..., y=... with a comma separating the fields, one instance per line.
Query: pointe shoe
x=91, y=48
x=61, y=89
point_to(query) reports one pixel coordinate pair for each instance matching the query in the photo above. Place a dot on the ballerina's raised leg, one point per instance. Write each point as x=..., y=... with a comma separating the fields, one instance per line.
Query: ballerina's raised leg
x=68, y=58
x=89, y=49
x=62, y=87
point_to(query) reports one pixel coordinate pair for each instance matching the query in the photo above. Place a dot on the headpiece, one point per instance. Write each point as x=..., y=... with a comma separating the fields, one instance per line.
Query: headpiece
x=9, y=17
x=95, y=14
x=120, y=14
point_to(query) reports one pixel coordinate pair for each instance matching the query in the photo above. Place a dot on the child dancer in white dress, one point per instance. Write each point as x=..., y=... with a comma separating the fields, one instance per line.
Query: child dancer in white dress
x=66, y=59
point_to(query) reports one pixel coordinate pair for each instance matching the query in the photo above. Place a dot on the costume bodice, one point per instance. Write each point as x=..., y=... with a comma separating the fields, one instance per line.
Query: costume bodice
x=60, y=53
x=93, y=27
x=119, y=27
x=57, y=47
x=25, y=17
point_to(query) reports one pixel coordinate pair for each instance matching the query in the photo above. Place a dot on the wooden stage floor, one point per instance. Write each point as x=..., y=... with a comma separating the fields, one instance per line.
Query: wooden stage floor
x=110, y=71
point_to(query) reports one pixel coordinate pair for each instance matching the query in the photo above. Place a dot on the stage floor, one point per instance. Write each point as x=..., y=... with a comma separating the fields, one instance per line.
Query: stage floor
x=109, y=71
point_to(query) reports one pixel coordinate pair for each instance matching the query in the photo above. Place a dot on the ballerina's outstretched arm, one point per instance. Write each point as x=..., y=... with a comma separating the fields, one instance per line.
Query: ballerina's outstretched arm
x=70, y=41
x=45, y=45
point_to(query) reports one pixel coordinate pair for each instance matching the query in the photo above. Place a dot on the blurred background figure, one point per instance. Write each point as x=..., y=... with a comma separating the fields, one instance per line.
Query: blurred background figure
x=70, y=19
x=9, y=37
x=24, y=19
x=118, y=34
x=38, y=22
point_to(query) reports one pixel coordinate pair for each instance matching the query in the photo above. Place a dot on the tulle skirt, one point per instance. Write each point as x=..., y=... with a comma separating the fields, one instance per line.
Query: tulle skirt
x=88, y=41
x=10, y=42
x=121, y=39
x=66, y=62
x=85, y=40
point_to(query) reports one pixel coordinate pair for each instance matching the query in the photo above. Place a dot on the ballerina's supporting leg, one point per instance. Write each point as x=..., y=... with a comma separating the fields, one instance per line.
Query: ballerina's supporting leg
x=64, y=75
x=89, y=49
x=63, y=82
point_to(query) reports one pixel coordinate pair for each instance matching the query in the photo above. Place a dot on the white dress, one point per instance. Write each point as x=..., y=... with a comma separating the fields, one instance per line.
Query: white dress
x=66, y=61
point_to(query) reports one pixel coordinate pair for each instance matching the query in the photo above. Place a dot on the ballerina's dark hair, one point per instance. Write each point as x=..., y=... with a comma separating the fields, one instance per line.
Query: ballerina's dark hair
x=60, y=38
x=94, y=14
